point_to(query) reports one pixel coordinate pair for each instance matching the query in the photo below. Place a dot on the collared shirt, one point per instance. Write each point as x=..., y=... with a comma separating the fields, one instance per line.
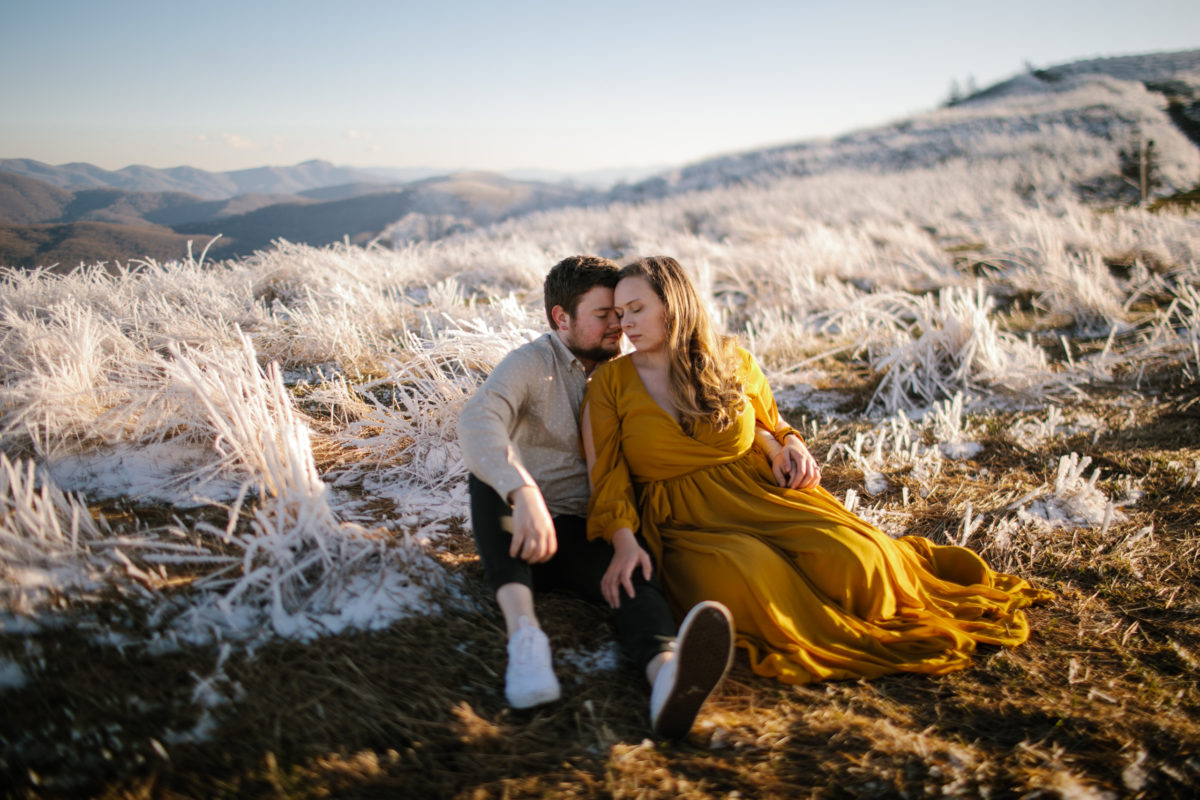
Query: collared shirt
x=521, y=427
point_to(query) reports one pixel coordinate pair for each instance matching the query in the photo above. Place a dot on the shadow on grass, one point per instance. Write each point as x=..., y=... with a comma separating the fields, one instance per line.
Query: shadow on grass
x=417, y=710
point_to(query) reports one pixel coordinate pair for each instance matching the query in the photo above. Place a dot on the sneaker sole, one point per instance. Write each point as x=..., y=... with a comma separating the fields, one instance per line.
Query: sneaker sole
x=704, y=654
x=533, y=701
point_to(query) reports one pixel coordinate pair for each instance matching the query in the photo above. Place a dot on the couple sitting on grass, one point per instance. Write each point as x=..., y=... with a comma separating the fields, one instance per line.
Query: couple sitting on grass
x=665, y=484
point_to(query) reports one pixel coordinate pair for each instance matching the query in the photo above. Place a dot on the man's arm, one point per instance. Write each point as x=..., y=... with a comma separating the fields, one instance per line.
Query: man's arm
x=485, y=430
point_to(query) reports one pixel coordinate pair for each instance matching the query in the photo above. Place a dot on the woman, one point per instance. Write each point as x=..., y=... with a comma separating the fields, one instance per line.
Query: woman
x=683, y=438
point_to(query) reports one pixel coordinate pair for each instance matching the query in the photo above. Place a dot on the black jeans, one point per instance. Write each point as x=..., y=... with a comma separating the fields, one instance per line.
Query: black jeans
x=644, y=622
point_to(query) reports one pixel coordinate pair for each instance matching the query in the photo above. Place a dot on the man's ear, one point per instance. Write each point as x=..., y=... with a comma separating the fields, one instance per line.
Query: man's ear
x=562, y=320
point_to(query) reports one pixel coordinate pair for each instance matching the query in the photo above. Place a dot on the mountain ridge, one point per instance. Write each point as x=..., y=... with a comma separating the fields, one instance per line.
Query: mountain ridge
x=312, y=174
x=250, y=222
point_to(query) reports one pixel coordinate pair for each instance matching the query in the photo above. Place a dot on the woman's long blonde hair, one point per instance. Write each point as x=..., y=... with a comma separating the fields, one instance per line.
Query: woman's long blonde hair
x=703, y=365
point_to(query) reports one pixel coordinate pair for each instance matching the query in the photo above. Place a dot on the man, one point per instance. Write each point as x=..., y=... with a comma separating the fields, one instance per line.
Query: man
x=529, y=495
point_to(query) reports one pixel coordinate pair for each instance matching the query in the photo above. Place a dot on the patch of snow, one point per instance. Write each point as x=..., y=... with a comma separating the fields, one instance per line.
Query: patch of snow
x=418, y=506
x=1073, y=501
x=875, y=482
x=1033, y=431
x=960, y=451
x=604, y=659
x=373, y=602
x=173, y=472
x=17, y=624
x=11, y=675
x=204, y=729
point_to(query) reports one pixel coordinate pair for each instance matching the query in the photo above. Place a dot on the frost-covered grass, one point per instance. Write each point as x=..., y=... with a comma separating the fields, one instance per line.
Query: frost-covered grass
x=187, y=362
x=257, y=454
x=45, y=538
x=949, y=282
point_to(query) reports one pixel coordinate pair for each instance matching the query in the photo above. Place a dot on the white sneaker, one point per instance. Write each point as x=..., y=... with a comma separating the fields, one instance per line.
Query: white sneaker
x=529, y=680
x=703, y=655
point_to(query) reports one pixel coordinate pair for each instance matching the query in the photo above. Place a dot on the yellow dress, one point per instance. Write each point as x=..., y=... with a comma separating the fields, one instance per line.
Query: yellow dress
x=816, y=593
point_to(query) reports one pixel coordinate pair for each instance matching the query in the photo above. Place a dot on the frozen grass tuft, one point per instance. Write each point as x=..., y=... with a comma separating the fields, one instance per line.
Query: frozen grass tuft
x=933, y=348
x=1188, y=475
x=1072, y=501
x=296, y=564
x=1175, y=334
x=949, y=428
x=45, y=540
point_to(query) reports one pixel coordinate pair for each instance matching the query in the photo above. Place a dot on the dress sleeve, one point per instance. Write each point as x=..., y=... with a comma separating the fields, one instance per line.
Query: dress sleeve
x=758, y=392
x=612, y=505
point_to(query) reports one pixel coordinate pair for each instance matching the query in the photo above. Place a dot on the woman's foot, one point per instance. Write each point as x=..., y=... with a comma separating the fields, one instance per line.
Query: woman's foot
x=529, y=680
x=702, y=657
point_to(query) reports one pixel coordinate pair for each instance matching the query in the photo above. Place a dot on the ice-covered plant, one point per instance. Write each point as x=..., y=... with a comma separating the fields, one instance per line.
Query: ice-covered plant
x=931, y=348
x=949, y=429
x=45, y=539
x=1072, y=500
x=298, y=565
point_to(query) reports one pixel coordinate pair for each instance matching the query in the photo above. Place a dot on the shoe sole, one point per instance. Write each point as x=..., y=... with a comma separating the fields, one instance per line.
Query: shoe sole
x=704, y=654
x=536, y=700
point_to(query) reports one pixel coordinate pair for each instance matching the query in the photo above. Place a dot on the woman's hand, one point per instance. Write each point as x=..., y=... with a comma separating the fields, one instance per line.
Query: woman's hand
x=628, y=555
x=794, y=466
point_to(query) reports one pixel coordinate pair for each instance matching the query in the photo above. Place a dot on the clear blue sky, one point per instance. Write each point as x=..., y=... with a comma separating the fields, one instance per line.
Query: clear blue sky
x=506, y=84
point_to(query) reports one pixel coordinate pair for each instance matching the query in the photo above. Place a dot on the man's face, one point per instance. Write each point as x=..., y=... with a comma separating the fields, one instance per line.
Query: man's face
x=594, y=332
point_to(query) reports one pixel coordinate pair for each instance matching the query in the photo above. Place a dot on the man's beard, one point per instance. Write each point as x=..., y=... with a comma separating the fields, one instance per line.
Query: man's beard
x=597, y=354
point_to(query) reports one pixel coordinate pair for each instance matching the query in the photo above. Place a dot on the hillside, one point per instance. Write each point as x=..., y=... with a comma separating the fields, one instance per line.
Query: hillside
x=44, y=225
x=1097, y=107
x=235, y=547
x=463, y=201
x=65, y=247
x=25, y=201
x=250, y=222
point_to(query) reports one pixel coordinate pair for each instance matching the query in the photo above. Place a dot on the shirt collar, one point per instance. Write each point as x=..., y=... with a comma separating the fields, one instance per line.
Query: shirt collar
x=563, y=353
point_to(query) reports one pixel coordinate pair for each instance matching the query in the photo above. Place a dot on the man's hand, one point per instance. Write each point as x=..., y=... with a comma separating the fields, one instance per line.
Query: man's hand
x=533, y=536
x=794, y=466
x=628, y=555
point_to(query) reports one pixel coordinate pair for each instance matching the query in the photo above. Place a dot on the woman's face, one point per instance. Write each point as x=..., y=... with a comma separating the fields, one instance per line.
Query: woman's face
x=643, y=316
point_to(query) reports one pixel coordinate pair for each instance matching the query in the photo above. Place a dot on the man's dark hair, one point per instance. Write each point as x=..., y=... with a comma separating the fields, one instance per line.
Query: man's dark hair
x=572, y=278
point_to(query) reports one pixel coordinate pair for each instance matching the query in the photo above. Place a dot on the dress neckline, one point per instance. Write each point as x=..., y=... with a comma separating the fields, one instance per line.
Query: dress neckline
x=642, y=385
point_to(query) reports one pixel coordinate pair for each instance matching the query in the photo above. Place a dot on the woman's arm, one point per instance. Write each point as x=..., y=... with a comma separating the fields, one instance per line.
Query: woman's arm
x=628, y=555
x=767, y=441
x=792, y=464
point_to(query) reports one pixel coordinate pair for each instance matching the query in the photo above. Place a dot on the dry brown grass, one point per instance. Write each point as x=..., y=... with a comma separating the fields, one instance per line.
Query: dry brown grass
x=1101, y=702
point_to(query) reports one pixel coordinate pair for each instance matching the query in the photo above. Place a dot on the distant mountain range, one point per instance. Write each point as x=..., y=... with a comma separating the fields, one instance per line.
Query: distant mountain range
x=76, y=213
x=61, y=215
x=42, y=224
x=201, y=183
x=301, y=179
